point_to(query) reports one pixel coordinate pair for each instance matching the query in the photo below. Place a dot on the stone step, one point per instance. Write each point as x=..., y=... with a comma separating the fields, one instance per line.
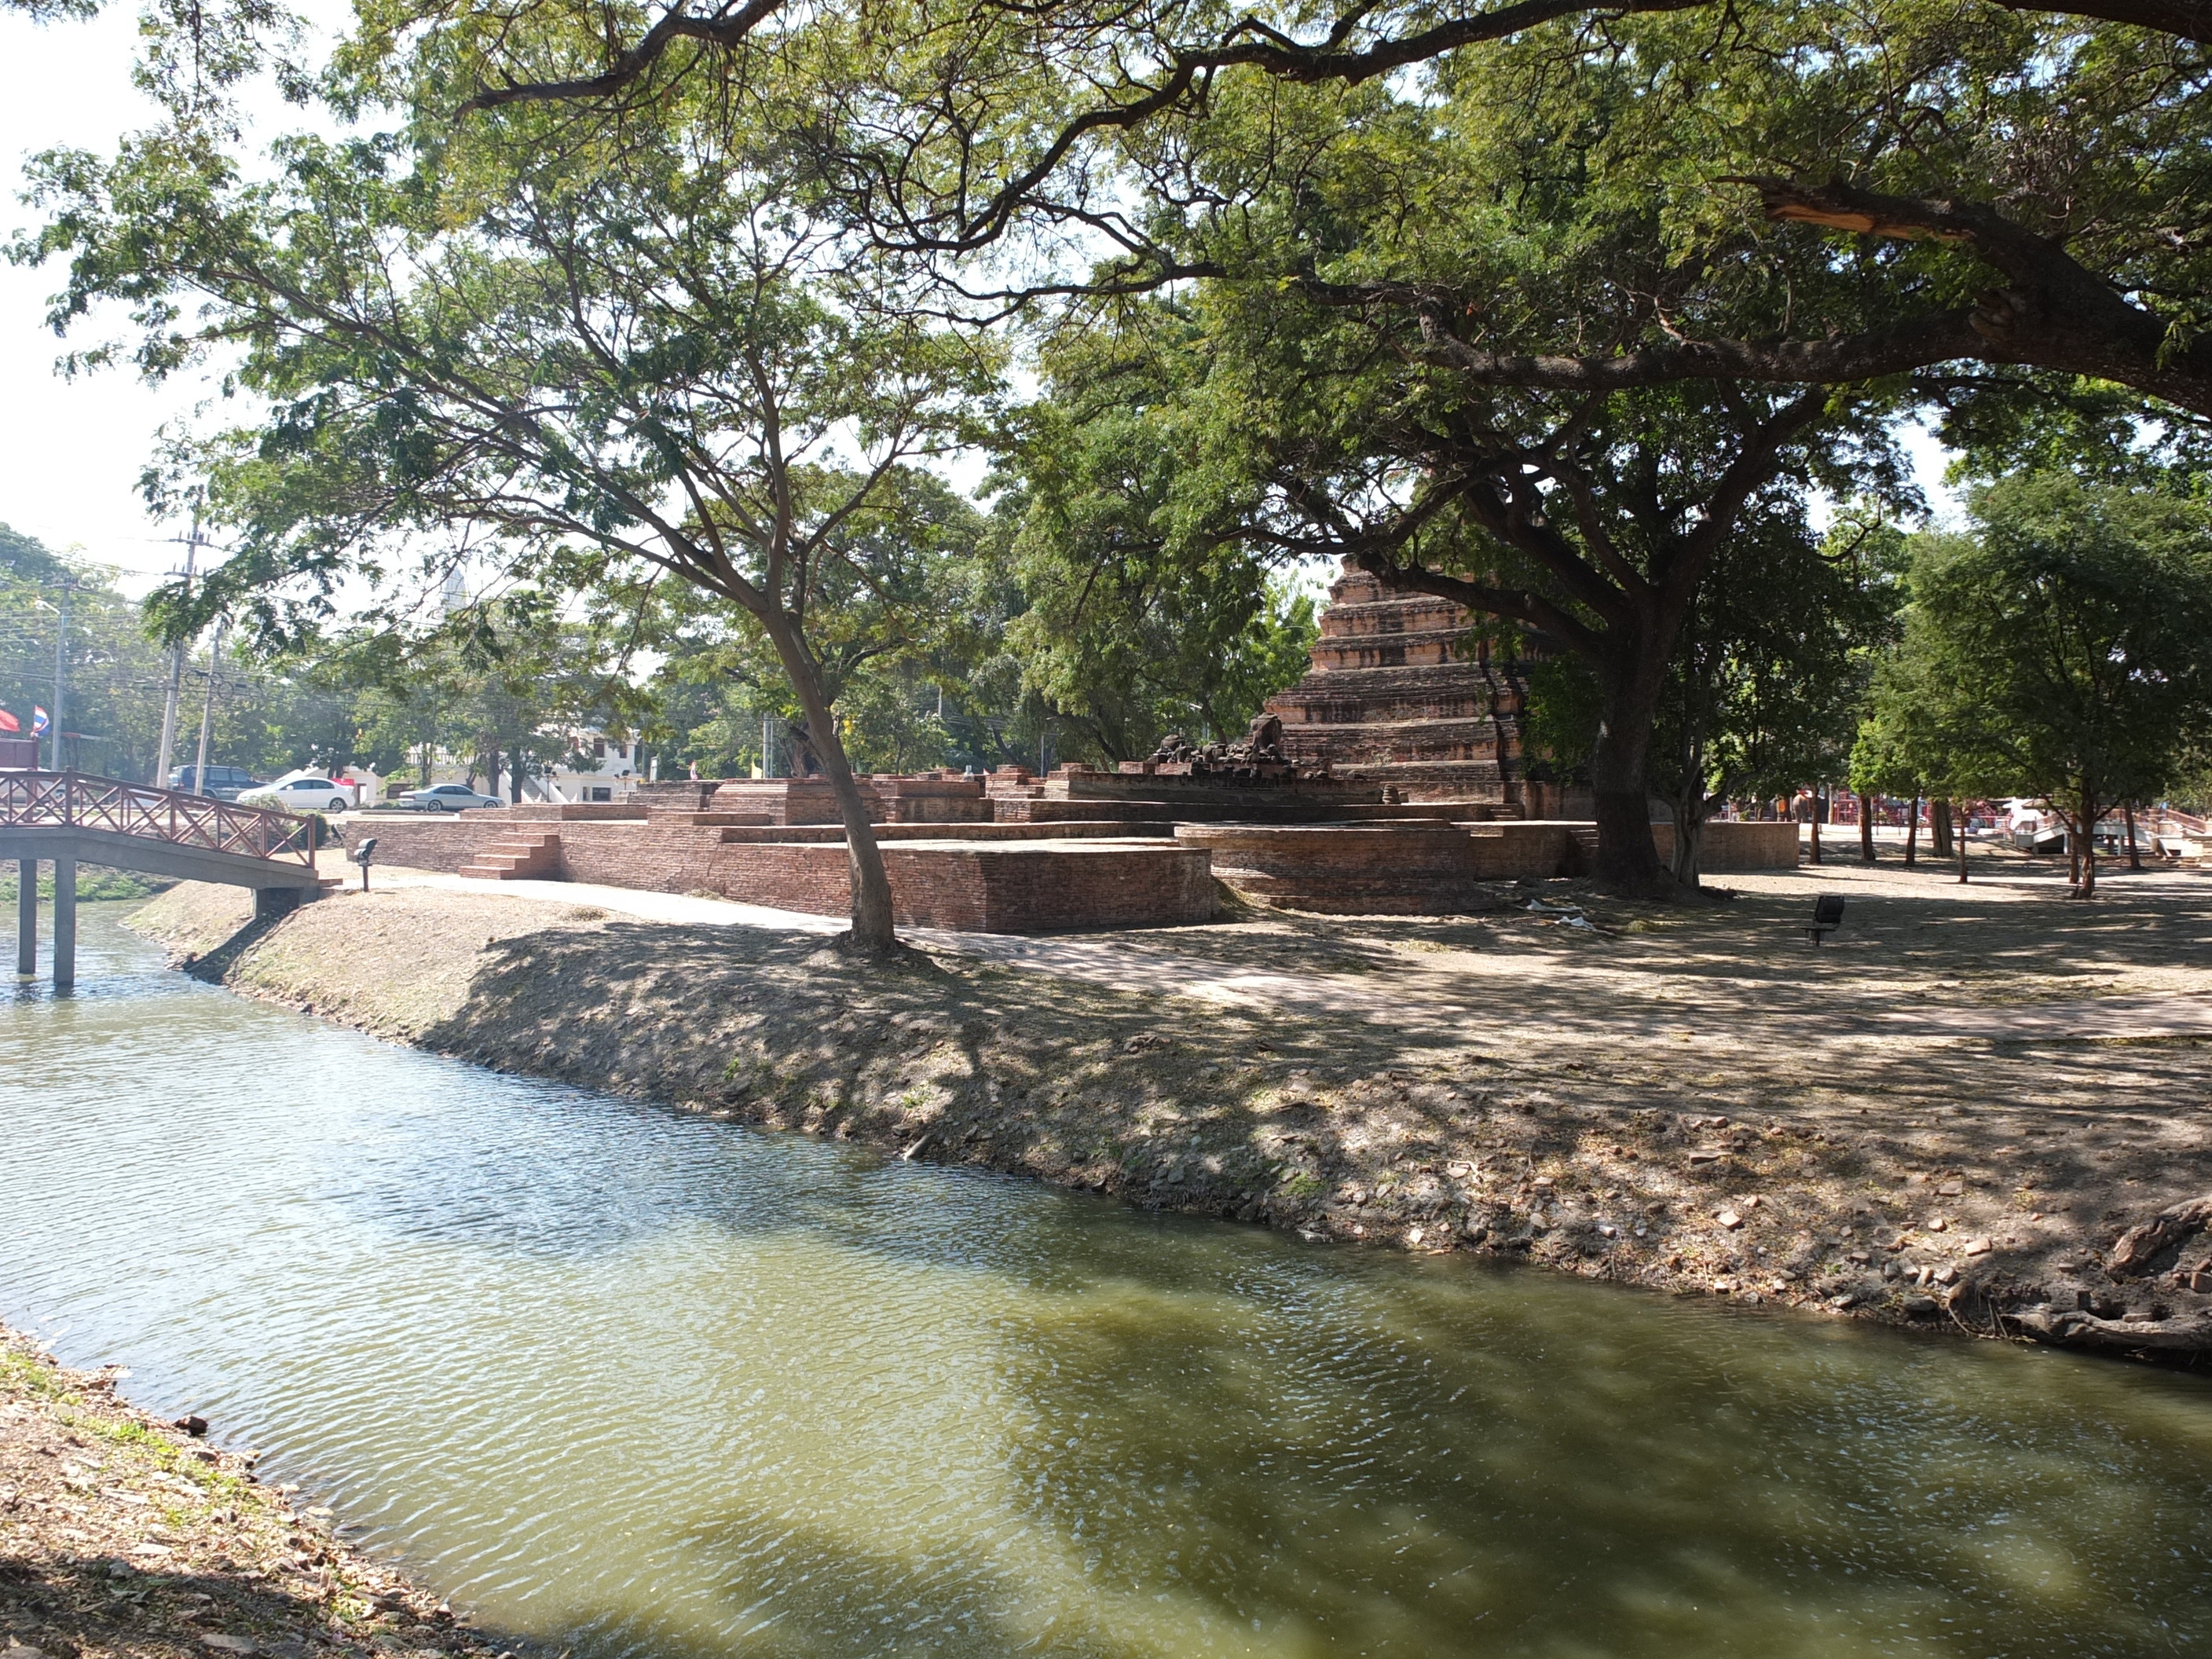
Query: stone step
x=512, y=858
x=1391, y=651
x=1405, y=680
x=1391, y=617
x=1472, y=704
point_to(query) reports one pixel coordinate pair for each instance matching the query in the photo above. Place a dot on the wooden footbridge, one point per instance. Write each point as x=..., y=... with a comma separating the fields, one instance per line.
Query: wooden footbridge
x=67, y=817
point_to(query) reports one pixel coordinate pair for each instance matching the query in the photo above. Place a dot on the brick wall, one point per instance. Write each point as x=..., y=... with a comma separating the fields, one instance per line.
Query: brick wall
x=1506, y=851
x=1015, y=886
x=1737, y=845
x=1321, y=851
x=419, y=840
x=669, y=853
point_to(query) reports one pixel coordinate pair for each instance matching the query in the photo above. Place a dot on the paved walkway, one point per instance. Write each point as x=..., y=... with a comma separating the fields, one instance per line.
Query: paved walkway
x=1770, y=1014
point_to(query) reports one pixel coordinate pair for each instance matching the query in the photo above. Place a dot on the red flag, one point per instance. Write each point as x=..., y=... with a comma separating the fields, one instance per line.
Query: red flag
x=8, y=722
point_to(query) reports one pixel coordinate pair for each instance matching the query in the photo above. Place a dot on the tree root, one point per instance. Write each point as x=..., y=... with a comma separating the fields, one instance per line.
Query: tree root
x=2069, y=1327
x=898, y=956
x=2139, y=1248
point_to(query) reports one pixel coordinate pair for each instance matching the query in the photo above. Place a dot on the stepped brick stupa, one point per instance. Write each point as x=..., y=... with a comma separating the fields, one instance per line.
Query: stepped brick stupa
x=1401, y=694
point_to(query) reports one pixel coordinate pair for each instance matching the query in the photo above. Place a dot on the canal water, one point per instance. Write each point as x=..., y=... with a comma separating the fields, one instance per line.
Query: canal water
x=634, y=1383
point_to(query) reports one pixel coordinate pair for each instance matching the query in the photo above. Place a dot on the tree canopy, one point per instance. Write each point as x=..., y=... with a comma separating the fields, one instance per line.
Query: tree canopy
x=2062, y=647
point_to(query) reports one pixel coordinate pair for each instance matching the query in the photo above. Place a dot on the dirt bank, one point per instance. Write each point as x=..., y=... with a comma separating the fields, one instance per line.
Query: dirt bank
x=123, y=1534
x=1920, y=1123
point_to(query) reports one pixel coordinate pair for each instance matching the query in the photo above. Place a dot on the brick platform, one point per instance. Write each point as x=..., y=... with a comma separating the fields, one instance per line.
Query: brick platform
x=1736, y=845
x=1517, y=852
x=931, y=797
x=1019, y=879
x=1410, y=868
x=1016, y=887
x=1413, y=867
x=1084, y=849
x=1728, y=847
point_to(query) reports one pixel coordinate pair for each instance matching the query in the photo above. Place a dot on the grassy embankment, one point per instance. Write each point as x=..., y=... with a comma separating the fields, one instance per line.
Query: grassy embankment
x=1694, y=1101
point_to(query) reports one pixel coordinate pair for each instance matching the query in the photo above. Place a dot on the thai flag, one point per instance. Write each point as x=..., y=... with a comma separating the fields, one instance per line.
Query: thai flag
x=8, y=722
x=38, y=722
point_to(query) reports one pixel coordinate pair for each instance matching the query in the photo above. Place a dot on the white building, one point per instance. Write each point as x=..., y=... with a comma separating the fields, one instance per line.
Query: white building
x=598, y=767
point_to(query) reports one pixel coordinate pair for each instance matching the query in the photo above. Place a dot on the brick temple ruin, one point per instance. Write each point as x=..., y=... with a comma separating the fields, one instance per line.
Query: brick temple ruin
x=1392, y=779
x=1404, y=694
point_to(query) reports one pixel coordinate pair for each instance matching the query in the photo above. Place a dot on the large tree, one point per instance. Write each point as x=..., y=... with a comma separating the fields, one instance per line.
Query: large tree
x=2062, y=647
x=1316, y=222
x=1147, y=611
x=574, y=355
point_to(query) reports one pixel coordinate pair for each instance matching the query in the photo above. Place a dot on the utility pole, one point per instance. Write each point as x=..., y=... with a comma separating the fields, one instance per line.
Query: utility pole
x=61, y=671
x=176, y=668
x=207, y=708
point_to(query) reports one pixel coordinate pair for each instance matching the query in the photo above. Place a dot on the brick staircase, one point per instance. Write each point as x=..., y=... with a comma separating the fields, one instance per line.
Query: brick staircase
x=523, y=856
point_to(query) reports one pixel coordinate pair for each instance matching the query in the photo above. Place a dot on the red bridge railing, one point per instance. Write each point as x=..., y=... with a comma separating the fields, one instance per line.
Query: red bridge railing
x=75, y=800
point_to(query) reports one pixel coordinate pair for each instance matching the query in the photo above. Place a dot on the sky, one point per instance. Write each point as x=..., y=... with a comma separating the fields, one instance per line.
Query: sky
x=71, y=450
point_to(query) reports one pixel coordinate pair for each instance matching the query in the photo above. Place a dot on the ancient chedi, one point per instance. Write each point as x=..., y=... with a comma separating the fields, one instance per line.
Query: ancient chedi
x=1402, y=694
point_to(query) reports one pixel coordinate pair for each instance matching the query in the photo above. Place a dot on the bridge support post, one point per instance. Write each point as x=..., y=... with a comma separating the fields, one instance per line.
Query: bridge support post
x=26, y=918
x=270, y=902
x=64, y=923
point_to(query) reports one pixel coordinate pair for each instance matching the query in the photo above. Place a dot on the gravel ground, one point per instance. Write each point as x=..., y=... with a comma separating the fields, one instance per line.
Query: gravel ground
x=1693, y=1101
x=123, y=1534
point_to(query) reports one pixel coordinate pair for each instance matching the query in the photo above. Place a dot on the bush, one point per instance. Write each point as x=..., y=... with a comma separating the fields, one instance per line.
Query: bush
x=95, y=883
x=320, y=833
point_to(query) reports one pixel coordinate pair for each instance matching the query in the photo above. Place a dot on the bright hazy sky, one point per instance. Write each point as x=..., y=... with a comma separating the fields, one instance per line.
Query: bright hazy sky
x=70, y=452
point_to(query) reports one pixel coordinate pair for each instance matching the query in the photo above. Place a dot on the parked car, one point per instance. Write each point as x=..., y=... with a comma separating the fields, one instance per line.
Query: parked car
x=448, y=798
x=312, y=795
x=224, y=782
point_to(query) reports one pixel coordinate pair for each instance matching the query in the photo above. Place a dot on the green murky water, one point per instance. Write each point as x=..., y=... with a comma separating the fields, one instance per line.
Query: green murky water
x=641, y=1384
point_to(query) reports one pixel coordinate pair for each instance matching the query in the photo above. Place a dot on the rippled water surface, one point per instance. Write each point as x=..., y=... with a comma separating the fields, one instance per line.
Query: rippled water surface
x=644, y=1384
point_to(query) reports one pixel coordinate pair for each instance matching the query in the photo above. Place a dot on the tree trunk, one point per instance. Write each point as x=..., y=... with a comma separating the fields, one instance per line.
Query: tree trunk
x=1620, y=786
x=1939, y=827
x=1689, y=836
x=1866, y=828
x=2134, y=852
x=514, y=774
x=1814, y=813
x=872, y=887
x=1912, y=832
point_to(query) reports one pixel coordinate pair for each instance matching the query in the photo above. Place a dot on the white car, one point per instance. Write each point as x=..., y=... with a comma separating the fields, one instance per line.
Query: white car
x=448, y=798
x=311, y=795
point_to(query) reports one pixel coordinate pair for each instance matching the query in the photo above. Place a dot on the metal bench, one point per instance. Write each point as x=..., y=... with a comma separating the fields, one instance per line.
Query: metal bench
x=1827, y=916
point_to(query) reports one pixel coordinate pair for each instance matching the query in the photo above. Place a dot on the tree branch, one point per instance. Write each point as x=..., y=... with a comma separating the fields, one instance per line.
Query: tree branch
x=2190, y=19
x=723, y=29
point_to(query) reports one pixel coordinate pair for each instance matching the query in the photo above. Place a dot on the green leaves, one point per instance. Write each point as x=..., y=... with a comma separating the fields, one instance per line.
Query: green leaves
x=2064, y=648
